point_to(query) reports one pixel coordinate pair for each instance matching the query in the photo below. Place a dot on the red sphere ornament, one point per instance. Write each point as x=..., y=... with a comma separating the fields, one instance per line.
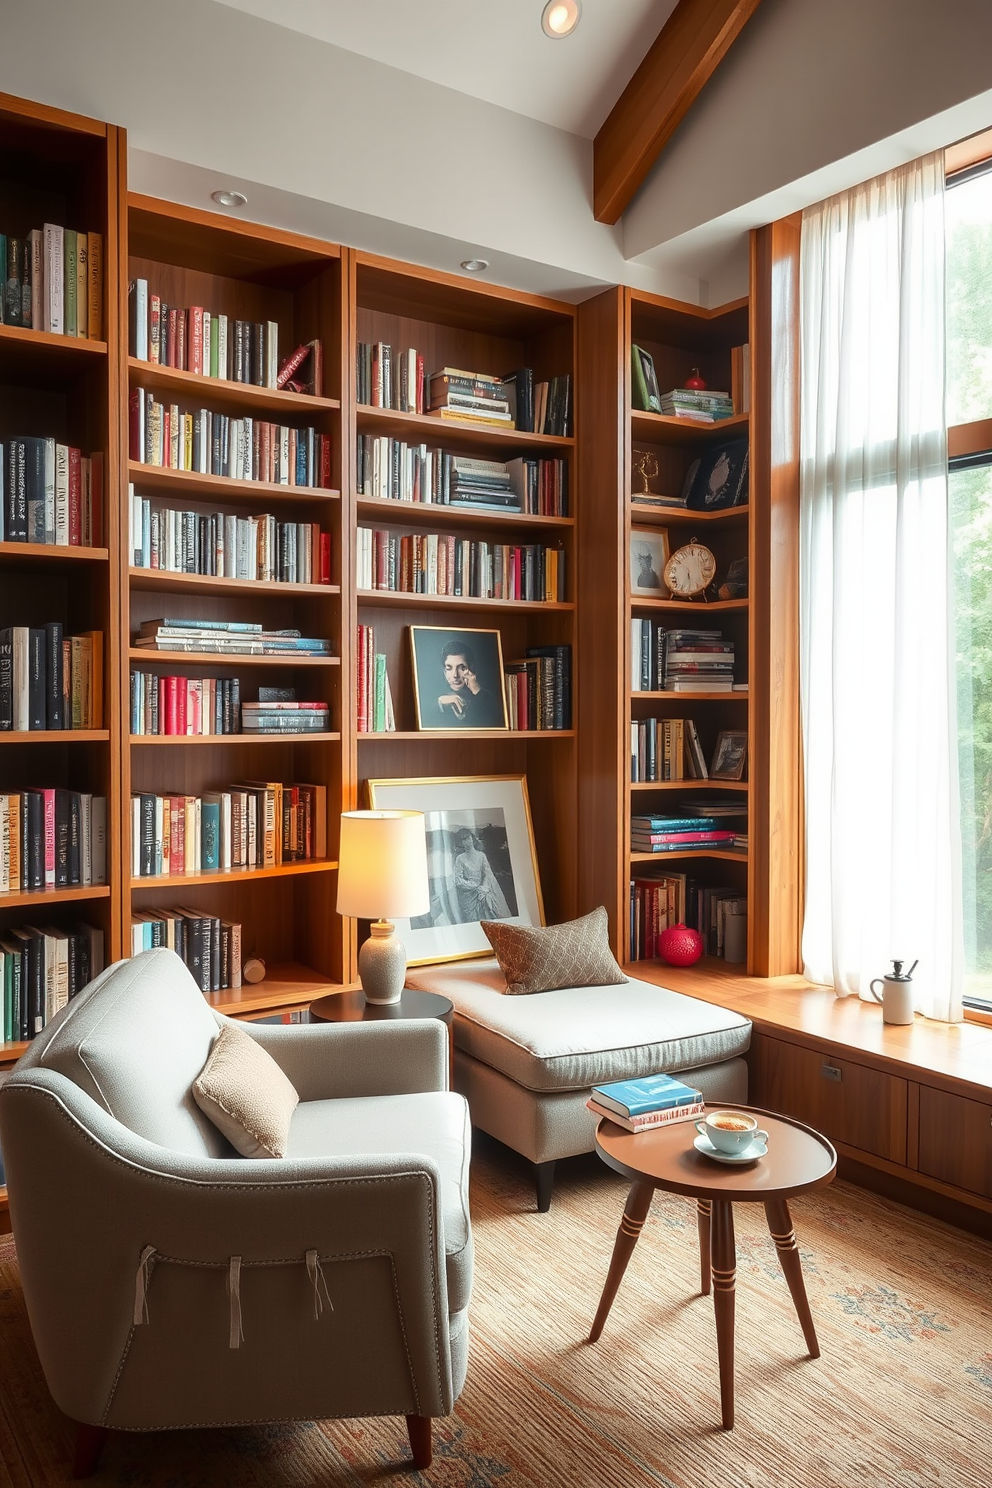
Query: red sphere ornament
x=680, y=946
x=694, y=381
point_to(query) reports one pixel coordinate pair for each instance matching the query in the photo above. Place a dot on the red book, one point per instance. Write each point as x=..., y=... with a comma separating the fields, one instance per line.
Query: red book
x=195, y=314
x=75, y=499
x=295, y=359
x=324, y=480
x=172, y=336
x=95, y=522
x=177, y=835
x=325, y=557
x=181, y=339
x=170, y=712
x=48, y=834
x=154, y=326
x=181, y=690
x=360, y=664
x=683, y=836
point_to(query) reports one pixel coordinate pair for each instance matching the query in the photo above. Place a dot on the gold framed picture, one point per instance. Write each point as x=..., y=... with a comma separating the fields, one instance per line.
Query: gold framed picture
x=730, y=755
x=457, y=678
x=648, y=556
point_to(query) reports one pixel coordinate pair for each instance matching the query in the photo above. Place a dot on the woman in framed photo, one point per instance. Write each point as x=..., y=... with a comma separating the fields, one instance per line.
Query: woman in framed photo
x=479, y=893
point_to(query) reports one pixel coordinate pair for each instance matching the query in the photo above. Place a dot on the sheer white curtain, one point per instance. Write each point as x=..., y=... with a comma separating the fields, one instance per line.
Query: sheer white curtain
x=883, y=872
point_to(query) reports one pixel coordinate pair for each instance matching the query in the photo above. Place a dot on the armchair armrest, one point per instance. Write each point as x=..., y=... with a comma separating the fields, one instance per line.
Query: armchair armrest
x=328, y=1060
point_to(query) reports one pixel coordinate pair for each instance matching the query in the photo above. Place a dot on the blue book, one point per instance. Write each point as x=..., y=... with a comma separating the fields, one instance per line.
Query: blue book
x=652, y=1093
x=671, y=823
x=210, y=836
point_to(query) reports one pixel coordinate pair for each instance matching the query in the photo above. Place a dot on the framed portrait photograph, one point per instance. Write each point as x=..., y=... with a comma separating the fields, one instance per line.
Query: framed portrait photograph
x=648, y=556
x=481, y=862
x=457, y=678
x=730, y=755
x=720, y=478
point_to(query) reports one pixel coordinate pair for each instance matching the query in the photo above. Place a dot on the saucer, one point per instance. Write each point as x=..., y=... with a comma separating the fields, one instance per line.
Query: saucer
x=749, y=1155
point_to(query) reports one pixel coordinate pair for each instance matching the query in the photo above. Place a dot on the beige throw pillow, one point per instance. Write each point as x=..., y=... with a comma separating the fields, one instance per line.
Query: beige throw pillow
x=576, y=954
x=246, y=1095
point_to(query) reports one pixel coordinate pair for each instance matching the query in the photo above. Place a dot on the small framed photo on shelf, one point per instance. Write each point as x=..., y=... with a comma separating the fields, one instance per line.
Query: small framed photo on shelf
x=730, y=755
x=481, y=862
x=647, y=393
x=648, y=556
x=457, y=678
x=719, y=479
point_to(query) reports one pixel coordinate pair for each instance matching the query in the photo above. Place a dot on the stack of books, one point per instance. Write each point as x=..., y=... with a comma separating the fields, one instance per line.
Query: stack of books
x=639, y=1105
x=227, y=546
x=691, y=403
x=255, y=824
x=226, y=638
x=50, y=681
x=388, y=380
x=278, y=712
x=539, y=689
x=40, y=970
x=50, y=493
x=471, y=397
x=729, y=814
x=184, y=705
x=481, y=484
x=209, y=946
x=242, y=449
x=658, y=834
x=52, y=280
x=391, y=470
x=375, y=700
x=439, y=563
x=52, y=839
x=698, y=661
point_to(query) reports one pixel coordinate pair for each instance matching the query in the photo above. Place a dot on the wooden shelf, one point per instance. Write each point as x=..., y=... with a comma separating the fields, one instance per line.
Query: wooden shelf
x=662, y=428
x=430, y=513
x=423, y=735
x=192, y=385
x=728, y=853
x=286, y=985
x=21, y=898
x=421, y=427
x=186, y=484
x=32, y=554
x=717, y=785
x=211, y=659
x=685, y=697
x=663, y=516
x=457, y=602
x=55, y=736
x=174, y=740
x=234, y=875
x=56, y=360
x=163, y=578
x=697, y=607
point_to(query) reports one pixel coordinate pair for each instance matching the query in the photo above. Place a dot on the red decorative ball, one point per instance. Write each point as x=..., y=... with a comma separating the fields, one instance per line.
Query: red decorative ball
x=680, y=946
x=695, y=381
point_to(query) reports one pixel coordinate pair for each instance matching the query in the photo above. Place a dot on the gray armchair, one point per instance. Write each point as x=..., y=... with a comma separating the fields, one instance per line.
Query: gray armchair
x=171, y=1283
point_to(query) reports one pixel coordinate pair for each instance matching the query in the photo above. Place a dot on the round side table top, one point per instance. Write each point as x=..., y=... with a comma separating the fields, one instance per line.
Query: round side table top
x=798, y=1159
x=351, y=1007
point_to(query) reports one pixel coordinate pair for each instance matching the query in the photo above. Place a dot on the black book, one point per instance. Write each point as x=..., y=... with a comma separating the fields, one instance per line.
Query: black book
x=54, y=679
x=33, y=839
x=561, y=657
x=35, y=952
x=194, y=947
x=147, y=835
x=12, y=288
x=6, y=679
x=37, y=683
x=16, y=492
x=258, y=354
x=62, y=832
x=518, y=388
x=35, y=458
x=78, y=950
x=75, y=837
x=215, y=955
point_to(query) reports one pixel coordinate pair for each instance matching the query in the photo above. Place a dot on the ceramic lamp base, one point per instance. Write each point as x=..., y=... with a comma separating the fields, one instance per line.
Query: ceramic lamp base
x=382, y=965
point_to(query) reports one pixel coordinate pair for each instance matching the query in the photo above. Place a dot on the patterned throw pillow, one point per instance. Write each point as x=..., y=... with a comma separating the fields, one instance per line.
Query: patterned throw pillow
x=246, y=1095
x=576, y=954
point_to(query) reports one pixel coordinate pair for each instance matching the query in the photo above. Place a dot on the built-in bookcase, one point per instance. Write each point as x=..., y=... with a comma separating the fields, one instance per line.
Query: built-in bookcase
x=250, y=273
x=480, y=329
x=60, y=168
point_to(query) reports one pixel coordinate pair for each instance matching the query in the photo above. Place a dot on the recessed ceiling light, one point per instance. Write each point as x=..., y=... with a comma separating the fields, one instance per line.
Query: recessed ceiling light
x=229, y=198
x=560, y=18
x=475, y=265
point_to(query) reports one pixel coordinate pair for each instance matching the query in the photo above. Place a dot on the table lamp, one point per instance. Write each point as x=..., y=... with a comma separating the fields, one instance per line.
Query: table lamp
x=382, y=871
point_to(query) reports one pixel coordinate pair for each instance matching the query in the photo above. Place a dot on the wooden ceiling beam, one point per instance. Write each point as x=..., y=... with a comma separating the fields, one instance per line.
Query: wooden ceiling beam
x=688, y=49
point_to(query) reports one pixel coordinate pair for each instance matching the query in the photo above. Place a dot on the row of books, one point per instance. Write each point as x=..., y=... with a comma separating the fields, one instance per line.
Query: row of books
x=184, y=705
x=226, y=638
x=254, y=824
x=673, y=660
x=50, y=681
x=656, y=904
x=50, y=493
x=52, y=280
x=207, y=945
x=397, y=380
x=225, y=545
x=41, y=968
x=243, y=449
x=438, y=563
x=659, y=834
x=539, y=689
x=392, y=470
x=52, y=839
x=653, y=1100
x=374, y=698
x=666, y=749
x=388, y=379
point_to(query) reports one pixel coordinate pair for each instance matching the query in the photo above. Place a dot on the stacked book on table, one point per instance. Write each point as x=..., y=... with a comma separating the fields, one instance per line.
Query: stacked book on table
x=469, y=397
x=659, y=834
x=227, y=638
x=695, y=403
x=639, y=1105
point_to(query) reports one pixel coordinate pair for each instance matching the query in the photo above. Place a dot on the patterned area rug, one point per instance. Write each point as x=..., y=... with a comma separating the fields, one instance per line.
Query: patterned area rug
x=902, y=1394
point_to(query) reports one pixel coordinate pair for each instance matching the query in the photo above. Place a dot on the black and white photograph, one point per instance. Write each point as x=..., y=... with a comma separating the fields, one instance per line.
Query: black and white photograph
x=648, y=556
x=457, y=678
x=720, y=479
x=481, y=863
x=730, y=755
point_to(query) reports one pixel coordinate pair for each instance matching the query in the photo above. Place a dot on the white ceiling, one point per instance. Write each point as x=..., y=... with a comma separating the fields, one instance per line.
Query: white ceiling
x=491, y=49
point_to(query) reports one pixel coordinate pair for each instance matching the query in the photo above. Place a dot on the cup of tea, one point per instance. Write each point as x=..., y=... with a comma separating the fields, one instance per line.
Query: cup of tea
x=730, y=1131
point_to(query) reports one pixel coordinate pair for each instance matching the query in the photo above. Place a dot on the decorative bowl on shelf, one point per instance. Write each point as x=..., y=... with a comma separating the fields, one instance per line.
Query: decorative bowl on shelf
x=680, y=946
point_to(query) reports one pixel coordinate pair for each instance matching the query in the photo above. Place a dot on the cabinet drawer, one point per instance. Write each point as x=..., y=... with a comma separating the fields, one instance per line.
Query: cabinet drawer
x=956, y=1140
x=848, y=1102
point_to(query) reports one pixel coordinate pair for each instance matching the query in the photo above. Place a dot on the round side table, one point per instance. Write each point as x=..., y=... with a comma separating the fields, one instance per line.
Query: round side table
x=351, y=1007
x=798, y=1159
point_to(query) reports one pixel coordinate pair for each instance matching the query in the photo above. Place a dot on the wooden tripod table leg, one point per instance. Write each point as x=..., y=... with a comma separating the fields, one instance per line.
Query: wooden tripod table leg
x=703, y=1207
x=724, y=1262
x=780, y=1225
x=634, y=1214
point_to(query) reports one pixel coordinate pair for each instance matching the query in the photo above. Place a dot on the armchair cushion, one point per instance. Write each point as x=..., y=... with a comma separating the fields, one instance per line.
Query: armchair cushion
x=246, y=1095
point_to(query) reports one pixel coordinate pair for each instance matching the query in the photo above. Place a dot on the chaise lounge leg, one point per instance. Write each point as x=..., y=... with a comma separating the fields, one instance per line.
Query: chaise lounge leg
x=419, y=1428
x=544, y=1182
x=89, y=1445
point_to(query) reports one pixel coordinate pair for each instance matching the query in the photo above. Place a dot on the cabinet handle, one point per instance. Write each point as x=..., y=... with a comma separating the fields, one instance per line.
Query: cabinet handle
x=831, y=1072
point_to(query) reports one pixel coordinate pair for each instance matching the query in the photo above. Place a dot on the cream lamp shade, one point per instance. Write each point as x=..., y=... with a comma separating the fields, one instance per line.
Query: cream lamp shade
x=382, y=865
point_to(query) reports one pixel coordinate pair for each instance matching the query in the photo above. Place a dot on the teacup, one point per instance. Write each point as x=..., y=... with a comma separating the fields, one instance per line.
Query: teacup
x=730, y=1131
